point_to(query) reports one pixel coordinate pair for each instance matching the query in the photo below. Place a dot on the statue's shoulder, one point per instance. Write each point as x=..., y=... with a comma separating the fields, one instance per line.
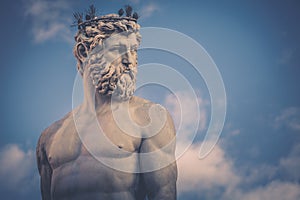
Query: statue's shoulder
x=139, y=102
x=45, y=140
x=49, y=132
x=142, y=105
x=156, y=119
x=142, y=110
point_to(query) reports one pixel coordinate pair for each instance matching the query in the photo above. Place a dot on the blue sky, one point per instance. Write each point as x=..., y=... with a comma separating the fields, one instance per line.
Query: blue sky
x=255, y=45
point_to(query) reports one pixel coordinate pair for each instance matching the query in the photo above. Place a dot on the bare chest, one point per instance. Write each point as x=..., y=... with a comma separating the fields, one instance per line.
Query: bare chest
x=85, y=163
x=70, y=143
x=87, y=175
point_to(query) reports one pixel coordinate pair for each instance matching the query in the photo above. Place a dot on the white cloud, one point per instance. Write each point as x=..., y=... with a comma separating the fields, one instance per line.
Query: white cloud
x=290, y=118
x=50, y=19
x=189, y=113
x=259, y=173
x=196, y=175
x=290, y=165
x=275, y=190
x=18, y=170
x=184, y=110
x=280, y=181
x=48, y=32
x=214, y=171
x=149, y=10
x=235, y=132
x=218, y=177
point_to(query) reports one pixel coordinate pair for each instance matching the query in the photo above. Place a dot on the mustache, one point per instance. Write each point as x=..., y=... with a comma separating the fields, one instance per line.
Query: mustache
x=105, y=71
x=106, y=76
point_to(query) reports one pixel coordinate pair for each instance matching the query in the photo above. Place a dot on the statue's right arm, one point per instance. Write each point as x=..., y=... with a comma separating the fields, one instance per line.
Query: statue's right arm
x=44, y=167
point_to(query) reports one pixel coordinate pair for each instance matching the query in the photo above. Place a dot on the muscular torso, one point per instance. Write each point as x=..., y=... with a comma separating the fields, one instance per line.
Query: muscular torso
x=87, y=178
x=70, y=158
x=78, y=174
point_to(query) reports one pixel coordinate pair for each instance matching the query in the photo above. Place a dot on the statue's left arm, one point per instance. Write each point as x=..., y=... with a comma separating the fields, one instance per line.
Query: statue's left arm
x=160, y=183
x=44, y=167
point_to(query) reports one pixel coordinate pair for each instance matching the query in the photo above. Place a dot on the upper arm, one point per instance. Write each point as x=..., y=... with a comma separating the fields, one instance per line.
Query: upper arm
x=44, y=167
x=158, y=160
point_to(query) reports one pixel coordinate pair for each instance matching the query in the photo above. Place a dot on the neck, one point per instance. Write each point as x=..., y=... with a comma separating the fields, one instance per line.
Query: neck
x=103, y=103
x=107, y=104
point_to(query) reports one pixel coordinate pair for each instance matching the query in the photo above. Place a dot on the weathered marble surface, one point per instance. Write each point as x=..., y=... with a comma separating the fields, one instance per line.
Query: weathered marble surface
x=69, y=170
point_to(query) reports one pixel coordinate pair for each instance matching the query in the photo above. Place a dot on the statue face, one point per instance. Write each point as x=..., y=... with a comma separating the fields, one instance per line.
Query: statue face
x=114, y=66
x=121, y=48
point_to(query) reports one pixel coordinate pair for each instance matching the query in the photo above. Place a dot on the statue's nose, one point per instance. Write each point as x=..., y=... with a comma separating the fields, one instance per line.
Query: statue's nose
x=127, y=60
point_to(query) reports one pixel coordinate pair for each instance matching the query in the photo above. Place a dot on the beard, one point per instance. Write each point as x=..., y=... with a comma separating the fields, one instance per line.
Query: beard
x=112, y=80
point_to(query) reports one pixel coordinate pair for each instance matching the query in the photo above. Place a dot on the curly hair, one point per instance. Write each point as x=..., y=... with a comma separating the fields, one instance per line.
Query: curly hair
x=90, y=36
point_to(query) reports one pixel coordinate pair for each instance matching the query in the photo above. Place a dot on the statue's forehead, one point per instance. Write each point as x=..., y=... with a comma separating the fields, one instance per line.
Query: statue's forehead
x=124, y=38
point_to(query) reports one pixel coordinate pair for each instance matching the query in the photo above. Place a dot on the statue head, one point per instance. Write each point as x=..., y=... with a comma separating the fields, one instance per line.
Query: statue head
x=107, y=47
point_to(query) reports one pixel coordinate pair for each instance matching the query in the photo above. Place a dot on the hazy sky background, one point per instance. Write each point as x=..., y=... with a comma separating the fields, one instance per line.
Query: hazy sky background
x=255, y=45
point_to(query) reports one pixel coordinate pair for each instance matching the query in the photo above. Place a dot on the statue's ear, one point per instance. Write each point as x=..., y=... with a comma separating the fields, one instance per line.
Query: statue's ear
x=81, y=52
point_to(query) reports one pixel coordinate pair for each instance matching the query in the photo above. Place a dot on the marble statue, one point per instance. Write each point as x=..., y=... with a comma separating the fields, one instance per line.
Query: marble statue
x=72, y=162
